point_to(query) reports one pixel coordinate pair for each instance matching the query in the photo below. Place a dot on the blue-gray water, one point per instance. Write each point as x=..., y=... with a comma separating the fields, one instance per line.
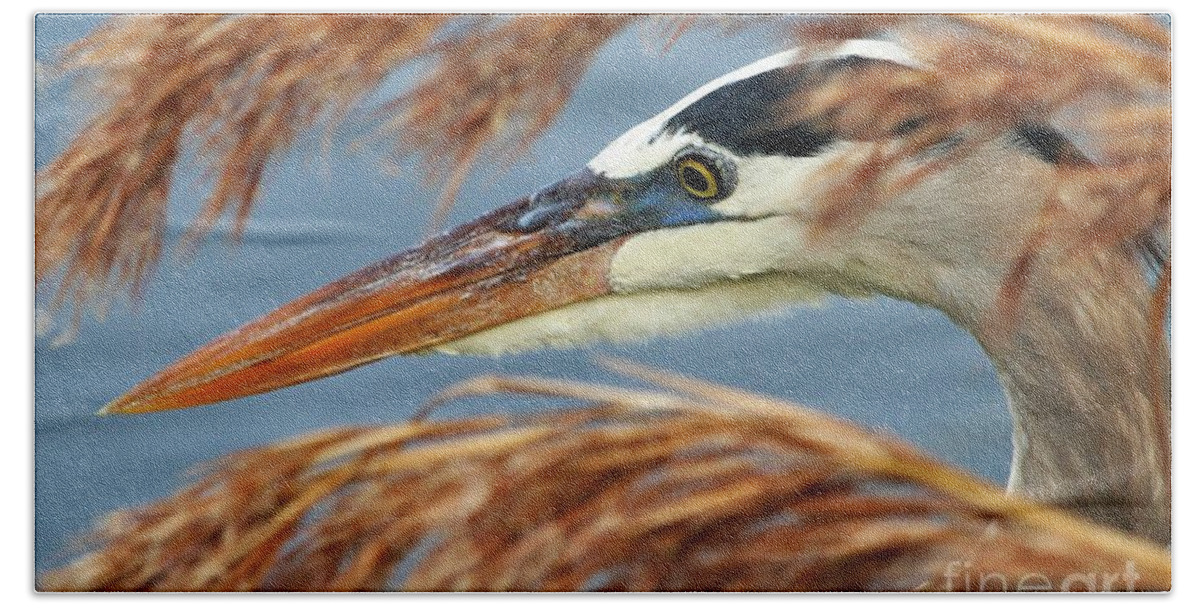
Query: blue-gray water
x=886, y=364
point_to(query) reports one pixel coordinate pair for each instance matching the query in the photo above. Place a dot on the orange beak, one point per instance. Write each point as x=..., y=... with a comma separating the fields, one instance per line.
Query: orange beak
x=531, y=256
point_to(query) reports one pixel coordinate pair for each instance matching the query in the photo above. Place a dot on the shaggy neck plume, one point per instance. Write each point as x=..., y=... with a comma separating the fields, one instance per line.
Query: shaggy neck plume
x=1082, y=374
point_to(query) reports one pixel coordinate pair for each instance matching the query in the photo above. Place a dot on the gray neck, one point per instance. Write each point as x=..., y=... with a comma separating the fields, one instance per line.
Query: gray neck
x=1080, y=375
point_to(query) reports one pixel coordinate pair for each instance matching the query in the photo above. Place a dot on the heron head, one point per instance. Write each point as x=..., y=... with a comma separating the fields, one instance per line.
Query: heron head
x=701, y=214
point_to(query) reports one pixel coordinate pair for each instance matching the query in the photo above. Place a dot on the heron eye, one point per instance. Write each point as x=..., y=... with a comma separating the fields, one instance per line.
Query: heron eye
x=698, y=177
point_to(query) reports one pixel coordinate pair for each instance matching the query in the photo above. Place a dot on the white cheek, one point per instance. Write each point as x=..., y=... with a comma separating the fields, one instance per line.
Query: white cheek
x=638, y=316
x=694, y=256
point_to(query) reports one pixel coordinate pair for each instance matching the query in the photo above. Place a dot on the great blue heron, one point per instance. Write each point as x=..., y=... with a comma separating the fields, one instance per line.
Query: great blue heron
x=707, y=212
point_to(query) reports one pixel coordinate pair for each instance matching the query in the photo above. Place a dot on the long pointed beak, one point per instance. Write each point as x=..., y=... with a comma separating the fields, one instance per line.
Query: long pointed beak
x=522, y=259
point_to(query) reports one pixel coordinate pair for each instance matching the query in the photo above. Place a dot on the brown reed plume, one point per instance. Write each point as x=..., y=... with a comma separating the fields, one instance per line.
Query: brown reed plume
x=501, y=86
x=247, y=85
x=695, y=487
x=1106, y=79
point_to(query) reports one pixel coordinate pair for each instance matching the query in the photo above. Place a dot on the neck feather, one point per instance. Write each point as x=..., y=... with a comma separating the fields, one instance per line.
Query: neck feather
x=1083, y=374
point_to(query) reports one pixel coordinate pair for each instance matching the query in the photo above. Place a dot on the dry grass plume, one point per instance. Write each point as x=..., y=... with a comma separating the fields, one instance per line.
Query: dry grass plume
x=1104, y=79
x=690, y=487
x=246, y=86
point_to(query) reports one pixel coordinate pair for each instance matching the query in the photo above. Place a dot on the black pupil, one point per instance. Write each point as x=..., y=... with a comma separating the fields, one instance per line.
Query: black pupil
x=695, y=179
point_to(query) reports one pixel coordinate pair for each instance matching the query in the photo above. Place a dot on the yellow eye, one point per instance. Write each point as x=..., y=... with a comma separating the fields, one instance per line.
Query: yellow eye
x=697, y=178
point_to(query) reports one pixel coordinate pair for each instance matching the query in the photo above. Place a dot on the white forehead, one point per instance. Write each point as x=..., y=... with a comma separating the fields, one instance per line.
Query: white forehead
x=639, y=149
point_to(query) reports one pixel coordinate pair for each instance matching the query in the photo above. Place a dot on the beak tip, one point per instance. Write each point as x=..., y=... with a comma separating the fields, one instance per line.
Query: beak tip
x=122, y=405
x=113, y=407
